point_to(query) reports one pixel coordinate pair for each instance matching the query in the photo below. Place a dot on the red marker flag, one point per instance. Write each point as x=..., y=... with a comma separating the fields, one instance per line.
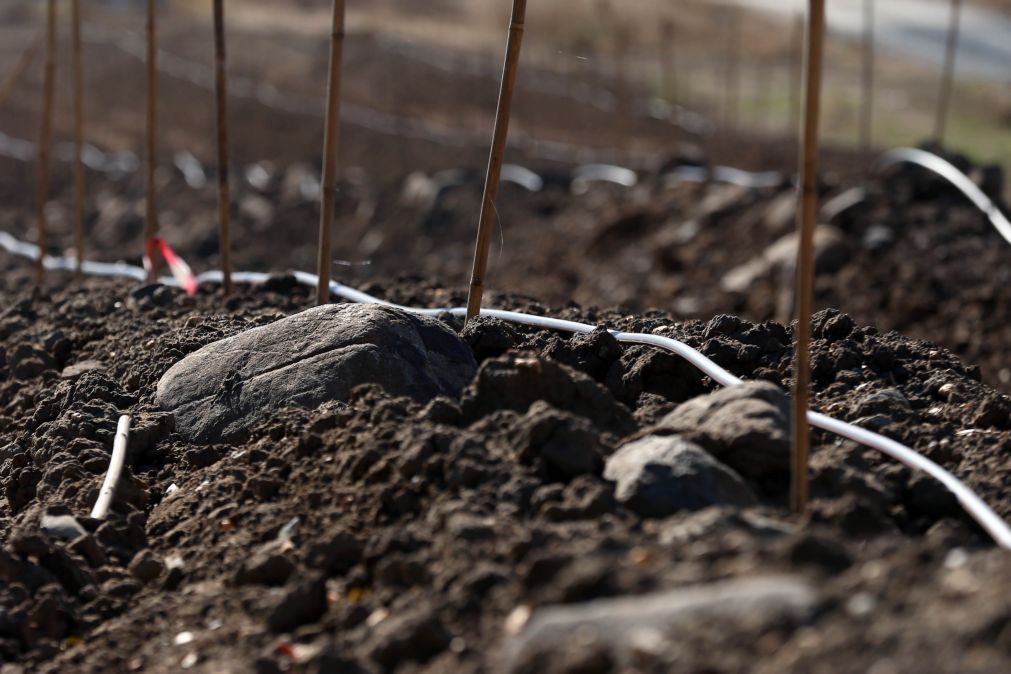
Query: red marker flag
x=180, y=270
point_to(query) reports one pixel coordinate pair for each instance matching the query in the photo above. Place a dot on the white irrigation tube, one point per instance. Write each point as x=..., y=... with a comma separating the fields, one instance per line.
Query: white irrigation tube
x=962, y=182
x=935, y=164
x=973, y=505
x=116, y=463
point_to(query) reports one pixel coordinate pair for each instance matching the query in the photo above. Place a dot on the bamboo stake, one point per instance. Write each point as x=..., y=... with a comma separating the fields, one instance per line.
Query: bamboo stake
x=867, y=107
x=329, y=186
x=495, y=159
x=21, y=67
x=224, y=197
x=151, y=219
x=807, y=214
x=944, y=99
x=45, y=137
x=75, y=9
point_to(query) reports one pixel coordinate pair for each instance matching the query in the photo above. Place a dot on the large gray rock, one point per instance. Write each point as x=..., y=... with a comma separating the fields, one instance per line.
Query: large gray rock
x=321, y=354
x=617, y=626
x=659, y=476
x=746, y=427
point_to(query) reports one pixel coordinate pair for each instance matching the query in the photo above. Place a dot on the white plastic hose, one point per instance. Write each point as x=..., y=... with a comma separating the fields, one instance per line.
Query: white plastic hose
x=935, y=164
x=116, y=463
x=950, y=172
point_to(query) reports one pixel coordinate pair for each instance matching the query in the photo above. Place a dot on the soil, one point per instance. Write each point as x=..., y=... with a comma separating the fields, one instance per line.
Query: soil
x=401, y=537
x=383, y=535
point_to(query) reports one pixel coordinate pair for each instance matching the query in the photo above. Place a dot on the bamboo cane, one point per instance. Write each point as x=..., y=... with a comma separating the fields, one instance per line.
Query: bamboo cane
x=75, y=8
x=224, y=197
x=499, y=138
x=151, y=216
x=329, y=187
x=947, y=79
x=807, y=213
x=867, y=104
x=21, y=67
x=45, y=137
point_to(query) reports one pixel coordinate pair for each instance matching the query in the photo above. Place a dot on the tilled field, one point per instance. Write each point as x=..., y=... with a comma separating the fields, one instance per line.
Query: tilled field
x=499, y=498
x=402, y=534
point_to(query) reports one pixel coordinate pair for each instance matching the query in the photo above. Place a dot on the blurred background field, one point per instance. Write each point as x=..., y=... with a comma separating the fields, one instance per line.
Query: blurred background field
x=724, y=71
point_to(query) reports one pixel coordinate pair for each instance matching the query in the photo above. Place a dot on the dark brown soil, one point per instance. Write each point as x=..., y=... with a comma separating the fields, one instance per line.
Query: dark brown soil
x=381, y=535
x=435, y=522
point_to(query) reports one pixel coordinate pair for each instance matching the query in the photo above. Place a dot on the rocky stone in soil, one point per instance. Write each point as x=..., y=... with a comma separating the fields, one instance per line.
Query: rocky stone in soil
x=305, y=360
x=747, y=427
x=658, y=476
x=617, y=626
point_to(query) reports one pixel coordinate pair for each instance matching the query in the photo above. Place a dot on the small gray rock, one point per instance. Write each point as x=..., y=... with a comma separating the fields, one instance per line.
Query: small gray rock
x=319, y=355
x=619, y=623
x=659, y=476
x=62, y=526
x=746, y=427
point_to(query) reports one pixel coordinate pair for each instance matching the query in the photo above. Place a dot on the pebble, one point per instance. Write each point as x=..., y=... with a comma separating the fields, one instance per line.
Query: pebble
x=658, y=476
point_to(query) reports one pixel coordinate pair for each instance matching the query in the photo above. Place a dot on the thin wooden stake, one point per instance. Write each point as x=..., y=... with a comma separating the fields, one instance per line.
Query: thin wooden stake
x=867, y=104
x=21, y=67
x=75, y=9
x=151, y=219
x=498, y=145
x=329, y=187
x=807, y=213
x=947, y=79
x=224, y=196
x=45, y=137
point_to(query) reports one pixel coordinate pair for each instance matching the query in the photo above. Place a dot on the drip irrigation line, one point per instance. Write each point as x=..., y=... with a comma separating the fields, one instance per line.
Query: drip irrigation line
x=116, y=463
x=974, y=506
x=935, y=164
x=953, y=175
